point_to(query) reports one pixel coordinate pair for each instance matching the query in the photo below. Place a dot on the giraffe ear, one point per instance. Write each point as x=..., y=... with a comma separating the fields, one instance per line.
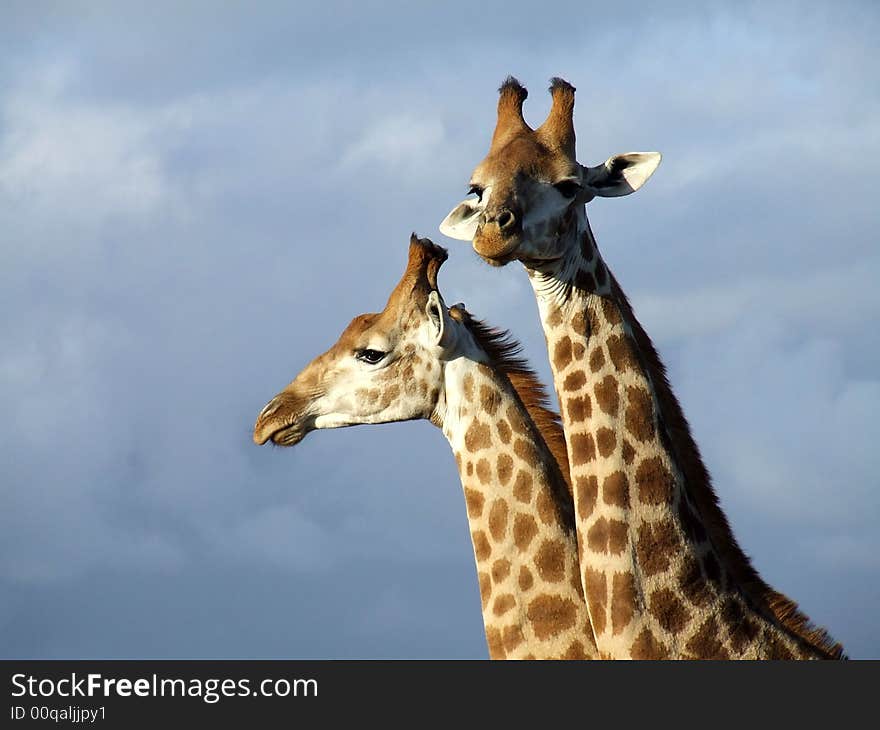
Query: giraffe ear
x=438, y=316
x=621, y=174
x=463, y=221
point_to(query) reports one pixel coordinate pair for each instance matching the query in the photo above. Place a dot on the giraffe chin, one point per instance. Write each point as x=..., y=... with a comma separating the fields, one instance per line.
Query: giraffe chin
x=494, y=250
x=288, y=436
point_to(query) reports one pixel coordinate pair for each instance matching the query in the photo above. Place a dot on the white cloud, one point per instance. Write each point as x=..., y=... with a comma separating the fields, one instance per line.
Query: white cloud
x=397, y=141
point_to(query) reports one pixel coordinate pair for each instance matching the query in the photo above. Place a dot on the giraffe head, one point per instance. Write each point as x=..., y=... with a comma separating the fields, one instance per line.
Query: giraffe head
x=530, y=182
x=385, y=367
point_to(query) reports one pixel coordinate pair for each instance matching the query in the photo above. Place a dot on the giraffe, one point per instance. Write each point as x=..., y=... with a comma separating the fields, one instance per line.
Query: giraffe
x=417, y=359
x=663, y=574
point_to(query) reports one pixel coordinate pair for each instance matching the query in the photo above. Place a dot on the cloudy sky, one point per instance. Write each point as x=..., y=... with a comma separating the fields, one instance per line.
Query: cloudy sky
x=195, y=200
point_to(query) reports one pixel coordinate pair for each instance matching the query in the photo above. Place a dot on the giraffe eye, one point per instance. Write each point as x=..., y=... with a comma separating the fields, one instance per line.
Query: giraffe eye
x=476, y=190
x=370, y=356
x=568, y=188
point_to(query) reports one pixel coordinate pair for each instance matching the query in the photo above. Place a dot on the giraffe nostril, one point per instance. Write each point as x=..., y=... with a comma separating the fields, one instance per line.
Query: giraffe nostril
x=505, y=219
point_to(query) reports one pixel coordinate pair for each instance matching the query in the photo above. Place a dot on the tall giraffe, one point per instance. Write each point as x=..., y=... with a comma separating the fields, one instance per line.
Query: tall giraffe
x=418, y=359
x=663, y=574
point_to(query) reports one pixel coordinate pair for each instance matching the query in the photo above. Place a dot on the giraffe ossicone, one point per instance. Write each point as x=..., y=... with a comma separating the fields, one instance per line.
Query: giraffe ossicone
x=662, y=572
x=419, y=359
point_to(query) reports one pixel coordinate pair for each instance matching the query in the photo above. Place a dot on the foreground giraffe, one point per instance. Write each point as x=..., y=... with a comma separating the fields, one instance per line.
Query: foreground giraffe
x=418, y=359
x=662, y=572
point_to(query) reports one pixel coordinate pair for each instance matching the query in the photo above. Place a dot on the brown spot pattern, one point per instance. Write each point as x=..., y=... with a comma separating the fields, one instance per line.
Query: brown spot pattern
x=525, y=450
x=500, y=570
x=482, y=548
x=617, y=536
x=522, y=486
x=485, y=588
x=705, y=644
x=503, y=431
x=646, y=646
x=546, y=508
x=575, y=651
x=668, y=609
x=504, y=468
x=474, y=501
x=575, y=381
x=550, y=615
x=477, y=437
x=495, y=643
x=639, y=419
x=615, y=490
x=627, y=452
x=503, y=604
x=620, y=352
x=605, y=441
x=579, y=409
x=607, y=396
x=550, y=561
x=657, y=541
x=525, y=578
x=580, y=324
x=654, y=481
x=597, y=359
x=524, y=529
x=597, y=536
x=607, y=536
x=562, y=353
x=512, y=637
x=583, y=448
x=623, y=601
x=587, y=489
x=498, y=519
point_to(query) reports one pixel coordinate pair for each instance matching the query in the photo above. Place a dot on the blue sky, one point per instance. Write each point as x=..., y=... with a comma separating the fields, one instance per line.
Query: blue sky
x=195, y=200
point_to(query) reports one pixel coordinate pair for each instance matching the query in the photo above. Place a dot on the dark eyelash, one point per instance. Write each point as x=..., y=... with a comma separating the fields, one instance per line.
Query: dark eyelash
x=369, y=356
x=476, y=190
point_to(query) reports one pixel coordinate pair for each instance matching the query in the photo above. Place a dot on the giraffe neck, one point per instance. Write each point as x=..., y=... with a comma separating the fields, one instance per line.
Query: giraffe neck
x=523, y=536
x=662, y=573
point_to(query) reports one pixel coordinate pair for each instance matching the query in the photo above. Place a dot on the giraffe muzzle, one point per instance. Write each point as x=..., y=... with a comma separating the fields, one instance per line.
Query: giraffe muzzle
x=281, y=422
x=494, y=245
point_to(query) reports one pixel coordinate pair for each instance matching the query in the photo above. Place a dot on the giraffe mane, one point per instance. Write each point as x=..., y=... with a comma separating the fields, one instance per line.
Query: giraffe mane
x=505, y=354
x=699, y=482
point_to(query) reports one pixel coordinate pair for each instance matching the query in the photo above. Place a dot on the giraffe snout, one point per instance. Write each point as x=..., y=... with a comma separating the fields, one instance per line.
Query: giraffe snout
x=280, y=422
